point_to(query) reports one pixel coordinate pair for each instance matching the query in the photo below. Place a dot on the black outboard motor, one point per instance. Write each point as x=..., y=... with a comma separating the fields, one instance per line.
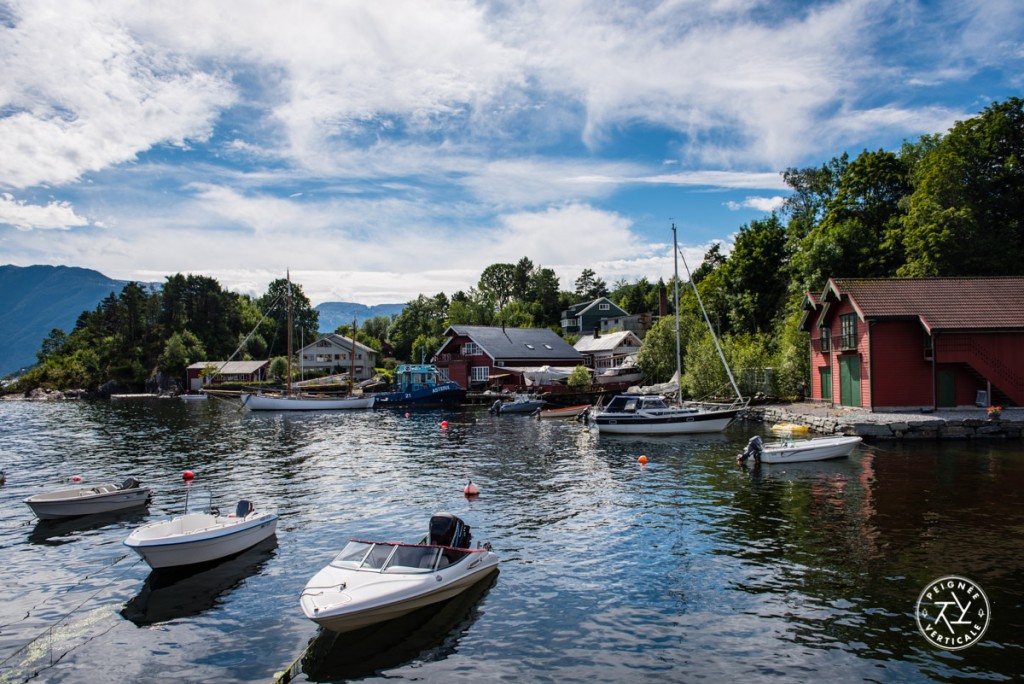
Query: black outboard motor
x=448, y=530
x=130, y=483
x=754, y=446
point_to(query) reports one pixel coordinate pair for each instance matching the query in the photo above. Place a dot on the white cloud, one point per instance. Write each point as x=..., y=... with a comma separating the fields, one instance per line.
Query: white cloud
x=24, y=216
x=765, y=204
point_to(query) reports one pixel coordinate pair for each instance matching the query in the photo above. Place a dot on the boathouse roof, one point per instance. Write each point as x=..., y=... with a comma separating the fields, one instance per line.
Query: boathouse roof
x=939, y=303
x=518, y=343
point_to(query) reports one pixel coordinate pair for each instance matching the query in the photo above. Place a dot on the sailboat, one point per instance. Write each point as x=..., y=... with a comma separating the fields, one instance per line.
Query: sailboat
x=289, y=401
x=650, y=414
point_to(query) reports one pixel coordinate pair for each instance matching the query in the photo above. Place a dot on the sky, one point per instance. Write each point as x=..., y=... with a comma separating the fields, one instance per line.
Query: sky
x=380, y=149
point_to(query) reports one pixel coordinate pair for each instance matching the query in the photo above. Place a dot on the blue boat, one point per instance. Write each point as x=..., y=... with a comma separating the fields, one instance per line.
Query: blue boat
x=420, y=385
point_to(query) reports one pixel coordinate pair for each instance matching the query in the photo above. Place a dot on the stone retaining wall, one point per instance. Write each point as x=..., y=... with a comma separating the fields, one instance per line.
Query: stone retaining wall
x=881, y=426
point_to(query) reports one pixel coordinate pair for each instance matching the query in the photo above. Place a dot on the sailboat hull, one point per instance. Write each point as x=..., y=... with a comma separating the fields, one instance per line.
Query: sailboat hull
x=682, y=423
x=260, y=402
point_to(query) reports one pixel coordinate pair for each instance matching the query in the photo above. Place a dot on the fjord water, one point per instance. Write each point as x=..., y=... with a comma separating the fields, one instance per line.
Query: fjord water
x=685, y=569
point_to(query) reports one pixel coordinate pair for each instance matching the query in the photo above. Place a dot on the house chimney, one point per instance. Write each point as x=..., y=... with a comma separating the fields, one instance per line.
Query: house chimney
x=597, y=331
x=662, y=302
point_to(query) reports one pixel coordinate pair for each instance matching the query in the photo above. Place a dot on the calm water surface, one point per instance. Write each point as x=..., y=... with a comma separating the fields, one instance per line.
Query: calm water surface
x=685, y=569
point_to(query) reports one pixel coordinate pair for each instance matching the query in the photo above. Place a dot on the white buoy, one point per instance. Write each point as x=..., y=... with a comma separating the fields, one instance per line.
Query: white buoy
x=471, y=489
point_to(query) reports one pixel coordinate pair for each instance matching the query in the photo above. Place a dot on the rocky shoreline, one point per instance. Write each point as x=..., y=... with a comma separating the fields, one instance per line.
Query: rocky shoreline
x=956, y=423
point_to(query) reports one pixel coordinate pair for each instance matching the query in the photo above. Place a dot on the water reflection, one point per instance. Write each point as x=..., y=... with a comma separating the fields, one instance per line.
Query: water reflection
x=171, y=594
x=68, y=530
x=429, y=634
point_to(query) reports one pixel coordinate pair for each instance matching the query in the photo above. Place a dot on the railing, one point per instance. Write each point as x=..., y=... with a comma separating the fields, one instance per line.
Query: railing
x=1005, y=378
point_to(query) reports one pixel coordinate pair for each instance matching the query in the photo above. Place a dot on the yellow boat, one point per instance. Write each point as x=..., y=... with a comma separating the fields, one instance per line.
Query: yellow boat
x=789, y=427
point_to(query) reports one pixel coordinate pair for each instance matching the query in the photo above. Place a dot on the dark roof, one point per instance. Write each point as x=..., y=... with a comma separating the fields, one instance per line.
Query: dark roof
x=939, y=303
x=582, y=308
x=518, y=343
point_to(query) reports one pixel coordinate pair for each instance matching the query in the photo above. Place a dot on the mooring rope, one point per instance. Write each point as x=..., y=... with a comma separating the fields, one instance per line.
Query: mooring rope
x=48, y=632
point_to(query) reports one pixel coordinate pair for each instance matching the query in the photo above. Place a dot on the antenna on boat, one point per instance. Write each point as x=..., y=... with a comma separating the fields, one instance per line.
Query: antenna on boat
x=714, y=337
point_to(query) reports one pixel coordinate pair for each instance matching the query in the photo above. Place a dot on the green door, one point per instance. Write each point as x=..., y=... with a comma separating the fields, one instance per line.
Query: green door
x=849, y=380
x=947, y=388
x=826, y=383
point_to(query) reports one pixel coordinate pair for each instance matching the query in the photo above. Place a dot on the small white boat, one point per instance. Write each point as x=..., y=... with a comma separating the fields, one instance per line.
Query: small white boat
x=302, y=402
x=370, y=582
x=200, y=537
x=105, y=498
x=564, y=412
x=520, y=403
x=798, y=451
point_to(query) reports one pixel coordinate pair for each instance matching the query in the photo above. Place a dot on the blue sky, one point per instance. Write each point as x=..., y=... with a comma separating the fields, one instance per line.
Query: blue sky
x=386, y=148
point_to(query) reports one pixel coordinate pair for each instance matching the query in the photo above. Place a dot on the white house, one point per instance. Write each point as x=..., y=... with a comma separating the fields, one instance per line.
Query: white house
x=333, y=354
x=603, y=352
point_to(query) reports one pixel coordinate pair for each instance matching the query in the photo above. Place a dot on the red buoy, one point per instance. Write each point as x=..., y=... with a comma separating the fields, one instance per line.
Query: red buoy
x=406, y=415
x=187, y=475
x=471, y=489
x=444, y=424
x=76, y=478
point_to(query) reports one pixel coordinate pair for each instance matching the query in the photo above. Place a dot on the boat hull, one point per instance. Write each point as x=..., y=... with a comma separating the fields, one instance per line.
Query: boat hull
x=680, y=424
x=818, y=449
x=68, y=503
x=198, y=538
x=567, y=412
x=261, y=402
x=417, y=592
x=428, y=397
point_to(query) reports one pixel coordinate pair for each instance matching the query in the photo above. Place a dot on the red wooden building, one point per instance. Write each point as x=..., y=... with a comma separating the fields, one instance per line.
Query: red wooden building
x=893, y=343
x=476, y=356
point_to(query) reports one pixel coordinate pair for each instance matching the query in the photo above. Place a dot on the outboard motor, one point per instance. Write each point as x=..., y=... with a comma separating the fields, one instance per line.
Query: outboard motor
x=130, y=483
x=495, y=407
x=754, y=446
x=448, y=530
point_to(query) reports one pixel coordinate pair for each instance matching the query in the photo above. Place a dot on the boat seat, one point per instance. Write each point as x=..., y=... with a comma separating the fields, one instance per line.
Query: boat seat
x=244, y=508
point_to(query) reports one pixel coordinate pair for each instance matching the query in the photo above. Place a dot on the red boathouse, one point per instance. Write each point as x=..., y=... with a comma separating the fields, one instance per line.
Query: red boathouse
x=895, y=343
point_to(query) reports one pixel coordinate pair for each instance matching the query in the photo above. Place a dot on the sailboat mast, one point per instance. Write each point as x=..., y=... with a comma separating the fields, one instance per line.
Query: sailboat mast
x=352, y=372
x=679, y=362
x=288, y=388
x=714, y=337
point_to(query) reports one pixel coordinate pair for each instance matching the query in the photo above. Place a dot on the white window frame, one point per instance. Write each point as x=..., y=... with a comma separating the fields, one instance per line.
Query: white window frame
x=479, y=373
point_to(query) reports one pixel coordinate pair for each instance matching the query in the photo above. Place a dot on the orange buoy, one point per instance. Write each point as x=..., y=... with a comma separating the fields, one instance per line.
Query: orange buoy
x=471, y=489
x=187, y=475
x=642, y=460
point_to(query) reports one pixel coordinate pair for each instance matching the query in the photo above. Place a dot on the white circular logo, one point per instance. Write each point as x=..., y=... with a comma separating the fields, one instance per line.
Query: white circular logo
x=953, y=613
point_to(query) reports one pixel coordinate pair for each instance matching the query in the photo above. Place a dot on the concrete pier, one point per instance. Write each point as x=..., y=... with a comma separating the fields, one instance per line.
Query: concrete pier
x=955, y=423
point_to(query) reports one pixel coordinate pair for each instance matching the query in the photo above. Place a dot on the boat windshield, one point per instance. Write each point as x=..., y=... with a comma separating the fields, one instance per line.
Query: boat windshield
x=624, y=404
x=396, y=558
x=654, y=403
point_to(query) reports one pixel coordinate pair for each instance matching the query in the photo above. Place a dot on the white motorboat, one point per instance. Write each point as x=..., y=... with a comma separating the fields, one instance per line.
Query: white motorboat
x=304, y=402
x=200, y=537
x=798, y=451
x=370, y=582
x=520, y=403
x=649, y=414
x=105, y=498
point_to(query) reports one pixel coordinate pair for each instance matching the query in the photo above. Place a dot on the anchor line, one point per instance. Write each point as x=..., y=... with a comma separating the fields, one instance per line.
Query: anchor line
x=49, y=630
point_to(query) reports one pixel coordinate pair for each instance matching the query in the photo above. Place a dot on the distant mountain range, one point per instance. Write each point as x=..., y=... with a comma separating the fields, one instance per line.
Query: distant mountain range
x=333, y=314
x=36, y=299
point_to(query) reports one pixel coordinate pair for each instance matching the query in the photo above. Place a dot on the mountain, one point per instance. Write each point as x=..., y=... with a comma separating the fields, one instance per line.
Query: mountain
x=333, y=314
x=36, y=299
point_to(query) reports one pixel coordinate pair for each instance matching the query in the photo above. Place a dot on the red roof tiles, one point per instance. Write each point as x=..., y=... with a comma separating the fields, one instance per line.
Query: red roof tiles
x=940, y=303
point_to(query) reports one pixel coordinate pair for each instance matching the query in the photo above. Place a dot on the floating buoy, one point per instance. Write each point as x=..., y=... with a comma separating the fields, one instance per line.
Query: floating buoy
x=444, y=424
x=642, y=460
x=406, y=415
x=471, y=489
x=75, y=478
x=187, y=475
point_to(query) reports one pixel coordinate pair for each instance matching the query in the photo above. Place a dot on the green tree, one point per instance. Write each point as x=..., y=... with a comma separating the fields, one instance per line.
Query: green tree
x=579, y=378
x=181, y=351
x=589, y=286
x=756, y=276
x=52, y=345
x=497, y=283
x=966, y=211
